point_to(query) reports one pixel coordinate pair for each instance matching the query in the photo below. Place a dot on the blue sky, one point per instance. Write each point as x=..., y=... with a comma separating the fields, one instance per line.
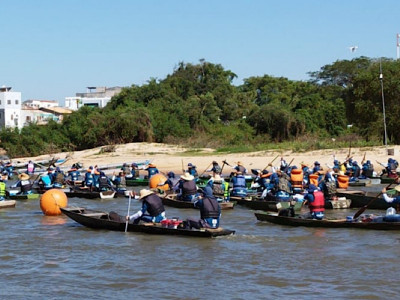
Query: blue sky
x=54, y=49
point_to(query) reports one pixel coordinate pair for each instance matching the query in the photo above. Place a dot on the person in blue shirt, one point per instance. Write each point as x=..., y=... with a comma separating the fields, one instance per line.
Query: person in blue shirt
x=89, y=179
x=317, y=167
x=24, y=184
x=152, y=170
x=316, y=202
x=393, y=200
x=152, y=208
x=188, y=188
x=74, y=175
x=192, y=170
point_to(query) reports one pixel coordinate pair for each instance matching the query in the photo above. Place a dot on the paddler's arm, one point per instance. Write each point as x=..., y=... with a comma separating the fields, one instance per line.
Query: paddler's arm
x=386, y=197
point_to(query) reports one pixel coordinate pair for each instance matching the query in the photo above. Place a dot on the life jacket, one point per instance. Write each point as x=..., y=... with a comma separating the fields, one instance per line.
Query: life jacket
x=193, y=172
x=218, y=188
x=89, y=178
x=189, y=188
x=103, y=182
x=283, y=184
x=217, y=169
x=319, y=202
x=313, y=179
x=74, y=175
x=2, y=189
x=31, y=168
x=296, y=176
x=154, y=205
x=356, y=171
x=210, y=208
x=226, y=189
x=343, y=181
x=59, y=178
x=46, y=181
x=330, y=188
x=26, y=186
x=239, y=181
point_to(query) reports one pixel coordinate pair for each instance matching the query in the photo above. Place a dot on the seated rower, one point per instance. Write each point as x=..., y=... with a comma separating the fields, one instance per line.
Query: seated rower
x=188, y=188
x=2, y=190
x=210, y=211
x=239, y=185
x=152, y=204
x=395, y=200
x=316, y=202
x=24, y=183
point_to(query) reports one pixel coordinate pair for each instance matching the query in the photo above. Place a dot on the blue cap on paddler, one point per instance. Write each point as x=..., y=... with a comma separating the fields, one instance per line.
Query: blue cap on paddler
x=316, y=163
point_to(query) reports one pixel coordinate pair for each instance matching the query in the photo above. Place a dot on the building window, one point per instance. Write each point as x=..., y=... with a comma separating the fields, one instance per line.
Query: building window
x=12, y=116
x=16, y=102
x=8, y=101
x=28, y=118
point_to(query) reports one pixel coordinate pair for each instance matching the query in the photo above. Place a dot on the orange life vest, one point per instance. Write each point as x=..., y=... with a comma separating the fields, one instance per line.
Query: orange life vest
x=296, y=176
x=343, y=181
x=313, y=179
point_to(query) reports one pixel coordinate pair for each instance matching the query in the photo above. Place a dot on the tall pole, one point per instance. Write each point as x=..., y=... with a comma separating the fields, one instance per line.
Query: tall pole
x=383, y=101
x=398, y=45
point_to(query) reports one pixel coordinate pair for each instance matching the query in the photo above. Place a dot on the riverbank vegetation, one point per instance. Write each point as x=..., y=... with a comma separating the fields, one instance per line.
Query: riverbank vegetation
x=198, y=105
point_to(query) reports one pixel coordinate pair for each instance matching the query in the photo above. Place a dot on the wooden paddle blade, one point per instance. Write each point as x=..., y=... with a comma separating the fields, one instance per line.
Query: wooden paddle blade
x=360, y=211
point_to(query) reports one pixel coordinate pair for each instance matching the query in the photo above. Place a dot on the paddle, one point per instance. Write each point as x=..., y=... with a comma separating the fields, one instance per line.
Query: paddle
x=129, y=208
x=183, y=169
x=270, y=162
x=362, y=209
x=205, y=170
x=223, y=165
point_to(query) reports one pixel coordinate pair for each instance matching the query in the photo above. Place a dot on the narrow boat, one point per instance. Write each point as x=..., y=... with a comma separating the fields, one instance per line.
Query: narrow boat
x=171, y=200
x=7, y=203
x=102, y=220
x=378, y=224
x=362, y=198
x=34, y=196
x=136, y=181
x=361, y=182
x=267, y=205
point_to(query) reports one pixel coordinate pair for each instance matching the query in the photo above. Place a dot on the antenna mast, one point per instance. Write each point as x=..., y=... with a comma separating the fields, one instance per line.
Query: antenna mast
x=383, y=101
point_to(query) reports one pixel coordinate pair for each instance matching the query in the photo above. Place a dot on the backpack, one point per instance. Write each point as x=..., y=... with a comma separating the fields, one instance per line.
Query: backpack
x=330, y=187
x=283, y=185
x=218, y=188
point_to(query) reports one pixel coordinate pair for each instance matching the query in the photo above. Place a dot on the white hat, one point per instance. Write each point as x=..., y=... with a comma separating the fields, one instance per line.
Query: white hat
x=144, y=193
x=217, y=177
x=397, y=188
x=23, y=176
x=187, y=176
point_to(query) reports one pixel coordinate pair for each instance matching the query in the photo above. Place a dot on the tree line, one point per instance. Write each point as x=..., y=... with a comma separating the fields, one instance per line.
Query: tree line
x=199, y=105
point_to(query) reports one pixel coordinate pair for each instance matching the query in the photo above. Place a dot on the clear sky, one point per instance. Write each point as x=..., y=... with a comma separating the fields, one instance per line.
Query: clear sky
x=54, y=49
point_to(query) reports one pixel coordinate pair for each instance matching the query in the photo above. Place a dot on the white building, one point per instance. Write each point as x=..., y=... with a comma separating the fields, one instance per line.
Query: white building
x=95, y=96
x=10, y=108
x=40, y=103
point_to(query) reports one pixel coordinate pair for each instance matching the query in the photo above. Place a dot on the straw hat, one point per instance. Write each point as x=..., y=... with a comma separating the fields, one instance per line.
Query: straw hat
x=23, y=176
x=144, y=193
x=397, y=188
x=187, y=176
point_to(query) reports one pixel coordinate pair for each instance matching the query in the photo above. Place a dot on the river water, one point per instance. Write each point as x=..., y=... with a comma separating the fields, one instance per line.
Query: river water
x=55, y=258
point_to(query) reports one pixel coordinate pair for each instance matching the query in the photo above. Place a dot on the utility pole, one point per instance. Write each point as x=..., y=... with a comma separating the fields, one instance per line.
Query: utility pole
x=383, y=101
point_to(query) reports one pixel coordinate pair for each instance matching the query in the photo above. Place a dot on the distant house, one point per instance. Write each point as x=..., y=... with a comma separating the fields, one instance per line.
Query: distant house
x=10, y=108
x=95, y=96
x=40, y=103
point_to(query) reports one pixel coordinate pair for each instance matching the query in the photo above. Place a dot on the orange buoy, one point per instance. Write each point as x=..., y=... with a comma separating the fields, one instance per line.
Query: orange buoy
x=52, y=200
x=157, y=181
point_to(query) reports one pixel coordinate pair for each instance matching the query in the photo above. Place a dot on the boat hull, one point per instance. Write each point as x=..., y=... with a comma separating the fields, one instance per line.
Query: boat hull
x=101, y=220
x=342, y=223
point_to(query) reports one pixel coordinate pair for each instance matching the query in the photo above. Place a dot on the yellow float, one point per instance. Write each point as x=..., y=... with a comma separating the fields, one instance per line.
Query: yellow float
x=52, y=200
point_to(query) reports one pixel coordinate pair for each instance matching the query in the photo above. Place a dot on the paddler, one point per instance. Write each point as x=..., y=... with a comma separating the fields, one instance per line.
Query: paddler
x=152, y=205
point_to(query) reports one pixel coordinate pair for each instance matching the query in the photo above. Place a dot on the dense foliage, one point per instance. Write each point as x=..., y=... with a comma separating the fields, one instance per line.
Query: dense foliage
x=198, y=104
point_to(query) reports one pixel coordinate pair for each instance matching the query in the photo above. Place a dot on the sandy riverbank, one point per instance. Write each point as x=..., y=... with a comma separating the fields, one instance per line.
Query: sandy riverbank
x=171, y=157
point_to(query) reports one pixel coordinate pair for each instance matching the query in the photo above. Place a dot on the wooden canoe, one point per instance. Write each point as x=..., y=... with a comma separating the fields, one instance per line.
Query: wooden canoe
x=136, y=181
x=339, y=223
x=34, y=196
x=361, y=182
x=7, y=203
x=170, y=200
x=101, y=220
x=362, y=198
x=259, y=204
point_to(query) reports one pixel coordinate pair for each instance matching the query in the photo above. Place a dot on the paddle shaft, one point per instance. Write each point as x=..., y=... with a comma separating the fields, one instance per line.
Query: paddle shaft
x=205, y=170
x=362, y=209
x=271, y=162
x=129, y=208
